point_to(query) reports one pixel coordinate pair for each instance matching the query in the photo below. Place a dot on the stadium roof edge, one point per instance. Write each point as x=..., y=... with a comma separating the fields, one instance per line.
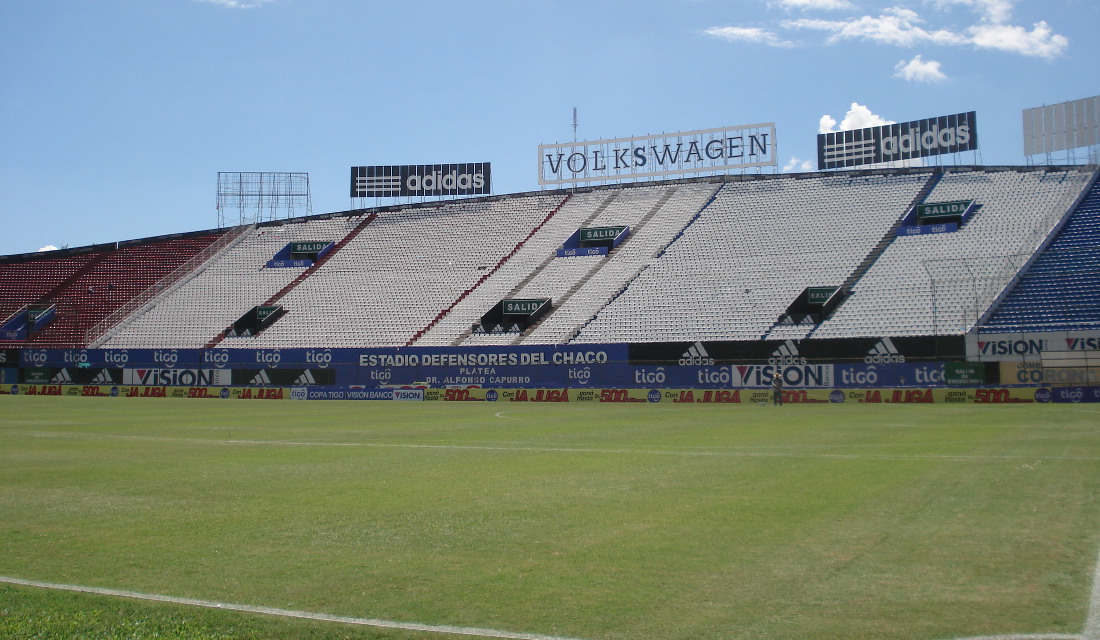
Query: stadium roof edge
x=107, y=246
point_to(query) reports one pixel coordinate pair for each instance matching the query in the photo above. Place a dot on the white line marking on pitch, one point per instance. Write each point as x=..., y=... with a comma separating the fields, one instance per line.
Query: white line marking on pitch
x=1028, y=636
x=729, y=453
x=322, y=617
x=1092, y=625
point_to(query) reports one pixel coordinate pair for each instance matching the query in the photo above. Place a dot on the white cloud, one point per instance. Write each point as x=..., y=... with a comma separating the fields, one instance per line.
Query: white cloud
x=797, y=164
x=858, y=117
x=239, y=4
x=917, y=70
x=897, y=26
x=748, y=34
x=992, y=11
x=902, y=27
x=48, y=247
x=1040, y=42
x=812, y=5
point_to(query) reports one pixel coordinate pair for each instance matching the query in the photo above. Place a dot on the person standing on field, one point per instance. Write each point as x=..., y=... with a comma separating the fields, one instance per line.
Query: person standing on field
x=777, y=389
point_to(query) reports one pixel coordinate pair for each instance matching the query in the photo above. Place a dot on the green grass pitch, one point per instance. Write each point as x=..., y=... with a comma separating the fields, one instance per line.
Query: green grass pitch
x=590, y=521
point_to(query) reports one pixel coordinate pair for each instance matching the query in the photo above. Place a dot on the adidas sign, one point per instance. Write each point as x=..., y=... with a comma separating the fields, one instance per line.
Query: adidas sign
x=884, y=352
x=696, y=355
x=260, y=378
x=787, y=353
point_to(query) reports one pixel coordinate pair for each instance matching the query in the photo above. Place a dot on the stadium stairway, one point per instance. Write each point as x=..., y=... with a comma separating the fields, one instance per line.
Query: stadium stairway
x=117, y=320
x=892, y=234
x=873, y=256
x=542, y=268
x=733, y=270
x=592, y=292
x=488, y=273
x=620, y=290
x=340, y=244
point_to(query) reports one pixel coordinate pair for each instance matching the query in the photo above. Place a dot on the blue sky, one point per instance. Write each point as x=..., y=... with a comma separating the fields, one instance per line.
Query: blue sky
x=116, y=116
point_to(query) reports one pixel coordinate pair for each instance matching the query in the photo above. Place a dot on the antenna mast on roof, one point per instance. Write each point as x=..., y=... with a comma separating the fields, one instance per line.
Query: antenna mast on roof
x=574, y=124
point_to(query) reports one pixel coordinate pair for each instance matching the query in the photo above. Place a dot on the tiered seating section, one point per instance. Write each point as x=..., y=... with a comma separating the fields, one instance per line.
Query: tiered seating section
x=715, y=258
x=229, y=284
x=941, y=284
x=31, y=281
x=94, y=284
x=580, y=287
x=1061, y=290
x=401, y=272
x=753, y=250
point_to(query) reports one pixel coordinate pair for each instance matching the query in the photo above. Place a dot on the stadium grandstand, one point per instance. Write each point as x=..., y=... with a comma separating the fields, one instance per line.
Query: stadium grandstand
x=716, y=258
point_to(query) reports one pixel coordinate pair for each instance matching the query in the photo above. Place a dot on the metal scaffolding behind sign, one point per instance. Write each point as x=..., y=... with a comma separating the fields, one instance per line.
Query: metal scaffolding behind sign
x=249, y=197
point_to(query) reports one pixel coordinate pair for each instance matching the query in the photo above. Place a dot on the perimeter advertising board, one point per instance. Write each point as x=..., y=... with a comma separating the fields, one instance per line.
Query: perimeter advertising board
x=717, y=365
x=1027, y=346
x=398, y=181
x=688, y=152
x=902, y=141
x=877, y=370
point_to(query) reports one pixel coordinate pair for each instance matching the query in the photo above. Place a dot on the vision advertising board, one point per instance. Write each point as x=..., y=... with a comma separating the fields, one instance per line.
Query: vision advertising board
x=687, y=152
x=398, y=181
x=903, y=141
x=1027, y=346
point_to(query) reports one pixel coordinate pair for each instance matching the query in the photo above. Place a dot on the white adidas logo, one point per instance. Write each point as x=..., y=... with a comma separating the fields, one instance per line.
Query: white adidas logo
x=305, y=378
x=883, y=352
x=62, y=377
x=260, y=378
x=786, y=353
x=696, y=355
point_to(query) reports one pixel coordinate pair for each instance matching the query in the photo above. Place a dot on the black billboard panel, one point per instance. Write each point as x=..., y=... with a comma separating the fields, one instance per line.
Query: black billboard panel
x=9, y=357
x=283, y=377
x=901, y=141
x=872, y=350
x=396, y=181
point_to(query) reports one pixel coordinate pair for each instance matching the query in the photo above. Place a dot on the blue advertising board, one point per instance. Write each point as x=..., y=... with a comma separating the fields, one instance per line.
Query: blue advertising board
x=916, y=230
x=551, y=366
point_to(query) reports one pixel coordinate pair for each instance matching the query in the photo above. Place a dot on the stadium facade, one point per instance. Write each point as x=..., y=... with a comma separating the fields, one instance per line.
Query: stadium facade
x=918, y=280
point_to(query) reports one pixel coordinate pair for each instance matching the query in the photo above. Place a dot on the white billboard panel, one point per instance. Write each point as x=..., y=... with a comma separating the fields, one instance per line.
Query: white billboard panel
x=687, y=152
x=1062, y=126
